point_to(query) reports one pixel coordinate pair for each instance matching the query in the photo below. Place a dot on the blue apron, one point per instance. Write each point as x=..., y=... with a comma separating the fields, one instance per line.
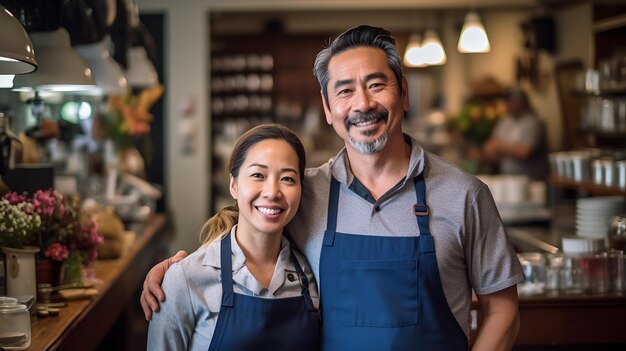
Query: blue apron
x=384, y=293
x=254, y=323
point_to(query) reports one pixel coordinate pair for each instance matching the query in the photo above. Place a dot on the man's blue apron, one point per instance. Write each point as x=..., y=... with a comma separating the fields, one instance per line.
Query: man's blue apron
x=384, y=293
x=254, y=323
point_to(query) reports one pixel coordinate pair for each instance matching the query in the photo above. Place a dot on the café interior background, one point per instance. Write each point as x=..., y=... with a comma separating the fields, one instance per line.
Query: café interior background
x=186, y=29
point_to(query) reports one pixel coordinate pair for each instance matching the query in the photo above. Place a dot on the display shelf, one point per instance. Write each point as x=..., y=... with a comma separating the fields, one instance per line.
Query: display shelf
x=595, y=189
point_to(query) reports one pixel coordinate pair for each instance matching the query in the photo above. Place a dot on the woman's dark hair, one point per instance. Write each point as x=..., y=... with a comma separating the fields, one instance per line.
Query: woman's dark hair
x=218, y=226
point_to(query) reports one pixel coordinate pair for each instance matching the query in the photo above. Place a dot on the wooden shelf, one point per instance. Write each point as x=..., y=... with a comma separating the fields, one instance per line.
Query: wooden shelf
x=83, y=324
x=594, y=189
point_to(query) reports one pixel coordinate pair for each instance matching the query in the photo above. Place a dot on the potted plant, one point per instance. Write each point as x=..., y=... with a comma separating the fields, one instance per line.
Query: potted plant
x=67, y=236
x=19, y=228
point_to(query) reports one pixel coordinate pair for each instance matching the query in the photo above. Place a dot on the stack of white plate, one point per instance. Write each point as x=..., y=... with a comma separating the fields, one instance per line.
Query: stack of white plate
x=593, y=215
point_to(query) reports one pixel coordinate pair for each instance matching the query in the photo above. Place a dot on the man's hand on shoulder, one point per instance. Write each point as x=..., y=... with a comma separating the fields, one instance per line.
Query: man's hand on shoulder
x=152, y=293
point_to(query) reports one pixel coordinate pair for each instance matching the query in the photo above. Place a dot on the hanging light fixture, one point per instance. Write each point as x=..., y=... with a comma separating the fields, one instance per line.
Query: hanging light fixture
x=17, y=55
x=6, y=80
x=473, y=37
x=140, y=71
x=60, y=67
x=107, y=72
x=95, y=50
x=413, y=54
x=432, y=49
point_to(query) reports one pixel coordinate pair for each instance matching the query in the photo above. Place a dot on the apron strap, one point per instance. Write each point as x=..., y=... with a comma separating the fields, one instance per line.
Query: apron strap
x=420, y=209
x=331, y=218
x=226, y=271
x=304, y=280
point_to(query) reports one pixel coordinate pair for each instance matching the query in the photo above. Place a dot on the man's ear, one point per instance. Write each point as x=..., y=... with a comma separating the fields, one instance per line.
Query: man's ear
x=405, y=94
x=329, y=118
x=233, y=187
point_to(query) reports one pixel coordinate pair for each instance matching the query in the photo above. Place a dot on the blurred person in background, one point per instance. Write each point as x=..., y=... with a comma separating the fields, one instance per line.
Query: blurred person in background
x=518, y=143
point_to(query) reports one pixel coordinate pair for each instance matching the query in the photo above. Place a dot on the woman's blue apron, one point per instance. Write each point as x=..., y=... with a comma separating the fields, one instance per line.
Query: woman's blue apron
x=254, y=323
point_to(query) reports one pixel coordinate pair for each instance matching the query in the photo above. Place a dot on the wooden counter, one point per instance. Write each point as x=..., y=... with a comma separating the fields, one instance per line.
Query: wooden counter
x=571, y=322
x=83, y=324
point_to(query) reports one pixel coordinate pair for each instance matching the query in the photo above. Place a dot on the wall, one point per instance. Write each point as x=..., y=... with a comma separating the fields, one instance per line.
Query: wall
x=187, y=72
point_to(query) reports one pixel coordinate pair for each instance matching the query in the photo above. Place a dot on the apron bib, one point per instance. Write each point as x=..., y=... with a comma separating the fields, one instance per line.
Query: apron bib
x=254, y=323
x=384, y=293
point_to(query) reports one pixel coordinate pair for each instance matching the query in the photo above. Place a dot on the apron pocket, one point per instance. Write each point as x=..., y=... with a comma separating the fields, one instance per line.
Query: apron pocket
x=381, y=293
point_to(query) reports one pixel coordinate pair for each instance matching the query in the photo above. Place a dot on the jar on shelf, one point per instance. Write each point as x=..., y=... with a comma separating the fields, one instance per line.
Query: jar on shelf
x=14, y=324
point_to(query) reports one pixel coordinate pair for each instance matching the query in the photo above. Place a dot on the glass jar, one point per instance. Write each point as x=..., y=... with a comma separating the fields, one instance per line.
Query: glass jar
x=14, y=324
x=585, y=266
x=534, y=266
x=617, y=233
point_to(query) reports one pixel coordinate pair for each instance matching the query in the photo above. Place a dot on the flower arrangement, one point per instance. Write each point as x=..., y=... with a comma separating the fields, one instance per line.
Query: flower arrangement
x=19, y=224
x=62, y=231
x=128, y=116
x=477, y=119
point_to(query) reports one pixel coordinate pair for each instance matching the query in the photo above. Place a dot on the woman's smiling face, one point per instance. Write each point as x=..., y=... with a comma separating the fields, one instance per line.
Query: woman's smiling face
x=268, y=187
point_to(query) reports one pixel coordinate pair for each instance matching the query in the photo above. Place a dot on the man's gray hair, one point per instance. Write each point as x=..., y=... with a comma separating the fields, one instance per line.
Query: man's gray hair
x=361, y=36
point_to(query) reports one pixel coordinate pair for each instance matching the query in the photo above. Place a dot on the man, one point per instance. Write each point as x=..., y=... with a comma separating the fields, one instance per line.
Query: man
x=386, y=282
x=518, y=141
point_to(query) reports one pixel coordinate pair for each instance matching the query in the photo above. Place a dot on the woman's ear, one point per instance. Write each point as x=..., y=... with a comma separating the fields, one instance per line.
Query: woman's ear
x=233, y=187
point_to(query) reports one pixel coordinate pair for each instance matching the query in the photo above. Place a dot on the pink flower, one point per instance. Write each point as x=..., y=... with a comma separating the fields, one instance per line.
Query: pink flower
x=14, y=198
x=57, y=252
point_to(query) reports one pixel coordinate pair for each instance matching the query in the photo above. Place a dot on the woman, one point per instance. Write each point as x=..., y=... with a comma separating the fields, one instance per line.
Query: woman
x=244, y=288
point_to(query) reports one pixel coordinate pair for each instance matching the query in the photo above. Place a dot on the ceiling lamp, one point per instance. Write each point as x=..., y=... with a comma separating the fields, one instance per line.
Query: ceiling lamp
x=140, y=72
x=6, y=80
x=16, y=50
x=473, y=36
x=413, y=54
x=432, y=50
x=60, y=67
x=108, y=73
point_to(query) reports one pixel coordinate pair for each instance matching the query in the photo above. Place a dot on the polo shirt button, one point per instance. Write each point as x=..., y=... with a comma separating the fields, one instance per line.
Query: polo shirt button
x=377, y=208
x=290, y=277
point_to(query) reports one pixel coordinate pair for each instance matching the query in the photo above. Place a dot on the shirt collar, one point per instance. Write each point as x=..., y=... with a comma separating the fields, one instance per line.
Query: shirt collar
x=212, y=253
x=340, y=165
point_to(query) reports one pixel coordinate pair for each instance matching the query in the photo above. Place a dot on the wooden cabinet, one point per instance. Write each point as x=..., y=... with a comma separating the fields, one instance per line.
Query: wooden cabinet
x=562, y=322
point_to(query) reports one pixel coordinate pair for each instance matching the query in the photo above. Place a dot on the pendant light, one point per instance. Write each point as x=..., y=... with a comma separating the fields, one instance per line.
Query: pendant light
x=60, y=67
x=107, y=72
x=140, y=71
x=413, y=54
x=432, y=49
x=6, y=80
x=473, y=37
x=17, y=55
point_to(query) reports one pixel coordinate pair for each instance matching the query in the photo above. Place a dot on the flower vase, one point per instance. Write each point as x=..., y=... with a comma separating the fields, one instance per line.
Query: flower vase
x=72, y=270
x=48, y=271
x=20, y=271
